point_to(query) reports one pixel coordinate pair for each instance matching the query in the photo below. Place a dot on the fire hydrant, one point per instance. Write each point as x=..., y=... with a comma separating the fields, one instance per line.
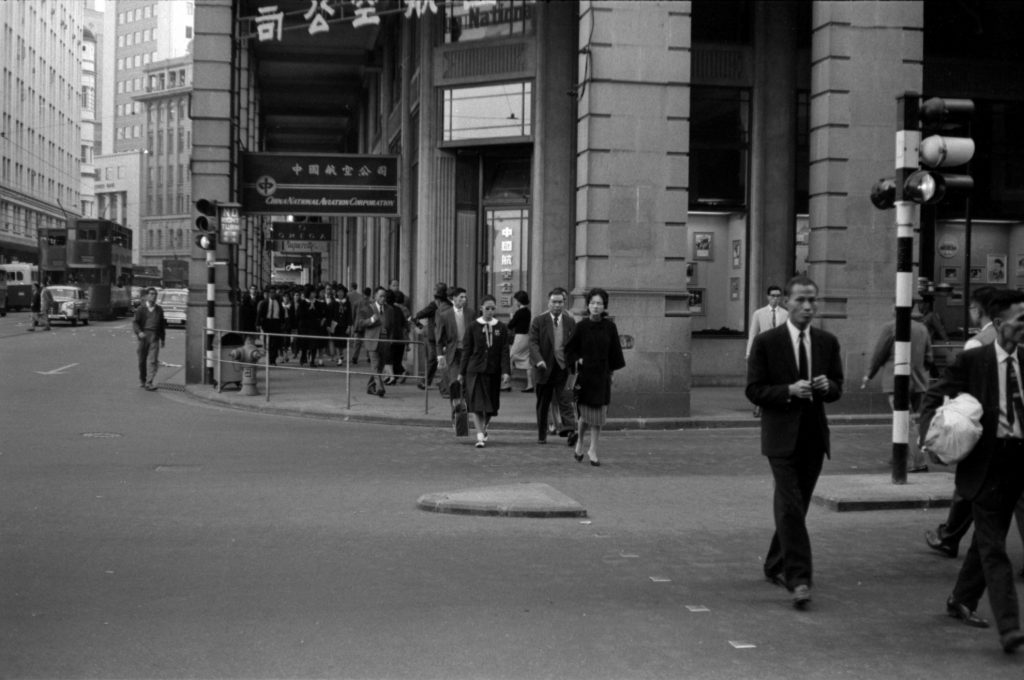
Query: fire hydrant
x=248, y=354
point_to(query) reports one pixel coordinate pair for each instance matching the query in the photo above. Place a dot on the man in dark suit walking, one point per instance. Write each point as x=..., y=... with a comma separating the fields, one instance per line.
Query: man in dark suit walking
x=991, y=477
x=792, y=372
x=548, y=334
x=372, y=322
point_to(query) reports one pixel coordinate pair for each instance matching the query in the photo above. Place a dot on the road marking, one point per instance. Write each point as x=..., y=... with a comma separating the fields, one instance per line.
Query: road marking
x=661, y=579
x=697, y=608
x=167, y=365
x=742, y=645
x=56, y=371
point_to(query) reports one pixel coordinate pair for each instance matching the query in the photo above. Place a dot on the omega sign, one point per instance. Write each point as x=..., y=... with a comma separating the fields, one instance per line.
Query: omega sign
x=948, y=248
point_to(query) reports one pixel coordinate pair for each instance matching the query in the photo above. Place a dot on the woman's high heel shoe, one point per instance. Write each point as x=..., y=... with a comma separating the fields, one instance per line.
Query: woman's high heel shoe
x=578, y=457
x=595, y=463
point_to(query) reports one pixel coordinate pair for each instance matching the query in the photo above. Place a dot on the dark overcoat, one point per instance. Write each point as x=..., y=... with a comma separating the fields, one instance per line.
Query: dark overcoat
x=595, y=346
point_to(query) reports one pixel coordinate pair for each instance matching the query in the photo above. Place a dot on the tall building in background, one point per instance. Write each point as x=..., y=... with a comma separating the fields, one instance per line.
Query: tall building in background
x=40, y=141
x=166, y=180
x=91, y=39
x=137, y=34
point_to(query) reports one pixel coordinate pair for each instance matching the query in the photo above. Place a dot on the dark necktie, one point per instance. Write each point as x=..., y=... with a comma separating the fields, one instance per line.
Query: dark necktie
x=1016, y=409
x=773, y=317
x=804, y=372
x=555, y=321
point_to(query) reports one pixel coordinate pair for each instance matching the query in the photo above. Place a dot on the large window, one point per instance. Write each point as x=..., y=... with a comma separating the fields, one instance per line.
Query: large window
x=719, y=147
x=488, y=112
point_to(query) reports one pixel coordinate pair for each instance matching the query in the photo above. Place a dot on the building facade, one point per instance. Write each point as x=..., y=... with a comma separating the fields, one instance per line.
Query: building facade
x=682, y=155
x=139, y=35
x=166, y=202
x=40, y=141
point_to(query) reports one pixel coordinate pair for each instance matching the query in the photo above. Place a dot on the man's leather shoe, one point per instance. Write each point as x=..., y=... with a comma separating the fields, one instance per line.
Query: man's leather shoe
x=776, y=580
x=961, y=611
x=938, y=545
x=801, y=596
x=1011, y=640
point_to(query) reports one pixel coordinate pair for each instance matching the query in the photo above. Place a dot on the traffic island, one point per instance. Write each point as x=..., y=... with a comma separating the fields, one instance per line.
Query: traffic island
x=848, y=493
x=509, y=500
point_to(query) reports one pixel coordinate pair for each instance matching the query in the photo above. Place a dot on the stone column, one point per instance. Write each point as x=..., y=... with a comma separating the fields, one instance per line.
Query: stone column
x=632, y=179
x=773, y=149
x=212, y=176
x=864, y=55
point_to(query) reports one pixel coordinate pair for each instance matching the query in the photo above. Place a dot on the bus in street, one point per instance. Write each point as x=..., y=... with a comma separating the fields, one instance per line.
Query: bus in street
x=95, y=254
x=19, y=277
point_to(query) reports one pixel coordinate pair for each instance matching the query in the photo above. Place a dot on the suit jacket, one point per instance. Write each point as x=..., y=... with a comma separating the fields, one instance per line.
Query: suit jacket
x=542, y=343
x=761, y=321
x=975, y=371
x=371, y=324
x=772, y=368
x=477, y=357
x=447, y=333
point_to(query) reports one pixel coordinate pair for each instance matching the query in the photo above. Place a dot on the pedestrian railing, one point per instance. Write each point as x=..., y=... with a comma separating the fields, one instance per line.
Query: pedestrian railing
x=344, y=372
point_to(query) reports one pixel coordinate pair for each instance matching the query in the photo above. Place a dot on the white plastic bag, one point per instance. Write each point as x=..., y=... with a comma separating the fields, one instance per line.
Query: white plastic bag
x=954, y=430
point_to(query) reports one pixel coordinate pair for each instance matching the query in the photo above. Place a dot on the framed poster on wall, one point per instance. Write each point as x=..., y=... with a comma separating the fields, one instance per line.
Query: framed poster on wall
x=995, y=265
x=950, y=274
x=703, y=245
x=734, y=288
x=737, y=254
x=691, y=273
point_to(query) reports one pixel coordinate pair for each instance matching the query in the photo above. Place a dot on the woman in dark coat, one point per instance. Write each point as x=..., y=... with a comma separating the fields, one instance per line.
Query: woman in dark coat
x=484, y=365
x=595, y=350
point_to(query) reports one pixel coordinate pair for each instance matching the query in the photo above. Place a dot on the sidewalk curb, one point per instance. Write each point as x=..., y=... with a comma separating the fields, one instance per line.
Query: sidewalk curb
x=202, y=393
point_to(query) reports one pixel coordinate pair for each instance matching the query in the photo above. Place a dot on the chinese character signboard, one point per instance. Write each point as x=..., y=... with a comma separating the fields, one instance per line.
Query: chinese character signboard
x=507, y=225
x=275, y=18
x=319, y=184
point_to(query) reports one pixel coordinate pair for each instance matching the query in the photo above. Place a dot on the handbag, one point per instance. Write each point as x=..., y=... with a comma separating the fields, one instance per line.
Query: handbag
x=460, y=418
x=954, y=429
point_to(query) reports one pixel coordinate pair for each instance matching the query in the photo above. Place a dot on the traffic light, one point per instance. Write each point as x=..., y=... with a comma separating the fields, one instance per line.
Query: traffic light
x=206, y=224
x=937, y=115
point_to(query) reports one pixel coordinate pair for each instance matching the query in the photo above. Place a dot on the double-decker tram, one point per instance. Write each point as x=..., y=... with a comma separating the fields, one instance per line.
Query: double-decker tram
x=94, y=254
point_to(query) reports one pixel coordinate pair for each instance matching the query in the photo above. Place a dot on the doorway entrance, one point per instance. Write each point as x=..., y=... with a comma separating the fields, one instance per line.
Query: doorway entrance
x=492, y=224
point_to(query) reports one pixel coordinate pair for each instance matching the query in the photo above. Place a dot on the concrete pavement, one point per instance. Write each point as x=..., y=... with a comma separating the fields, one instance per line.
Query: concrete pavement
x=337, y=393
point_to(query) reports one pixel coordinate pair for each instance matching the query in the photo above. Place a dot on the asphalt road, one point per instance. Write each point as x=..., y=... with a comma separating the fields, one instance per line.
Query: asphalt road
x=145, y=535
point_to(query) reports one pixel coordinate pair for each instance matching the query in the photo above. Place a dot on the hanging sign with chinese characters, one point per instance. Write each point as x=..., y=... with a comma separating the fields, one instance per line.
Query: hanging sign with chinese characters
x=508, y=250
x=319, y=184
x=274, y=19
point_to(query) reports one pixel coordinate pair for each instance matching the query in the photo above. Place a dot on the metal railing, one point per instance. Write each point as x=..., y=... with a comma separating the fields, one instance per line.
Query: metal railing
x=261, y=340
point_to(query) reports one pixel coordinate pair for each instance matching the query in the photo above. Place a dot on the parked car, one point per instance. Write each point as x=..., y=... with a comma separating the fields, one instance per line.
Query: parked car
x=175, y=304
x=69, y=304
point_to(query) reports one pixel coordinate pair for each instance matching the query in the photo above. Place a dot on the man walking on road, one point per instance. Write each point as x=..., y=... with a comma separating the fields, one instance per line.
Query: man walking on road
x=450, y=330
x=150, y=328
x=792, y=372
x=39, y=307
x=991, y=477
x=548, y=334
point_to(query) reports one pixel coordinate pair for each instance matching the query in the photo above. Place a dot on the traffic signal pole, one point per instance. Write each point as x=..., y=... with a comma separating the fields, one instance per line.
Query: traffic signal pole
x=908, y=141
x=211, y=311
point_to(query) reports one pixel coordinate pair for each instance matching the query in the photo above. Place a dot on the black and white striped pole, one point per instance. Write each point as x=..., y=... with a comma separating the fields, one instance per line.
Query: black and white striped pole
x=908, y=143
x=914, y=186
x=206, y=239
